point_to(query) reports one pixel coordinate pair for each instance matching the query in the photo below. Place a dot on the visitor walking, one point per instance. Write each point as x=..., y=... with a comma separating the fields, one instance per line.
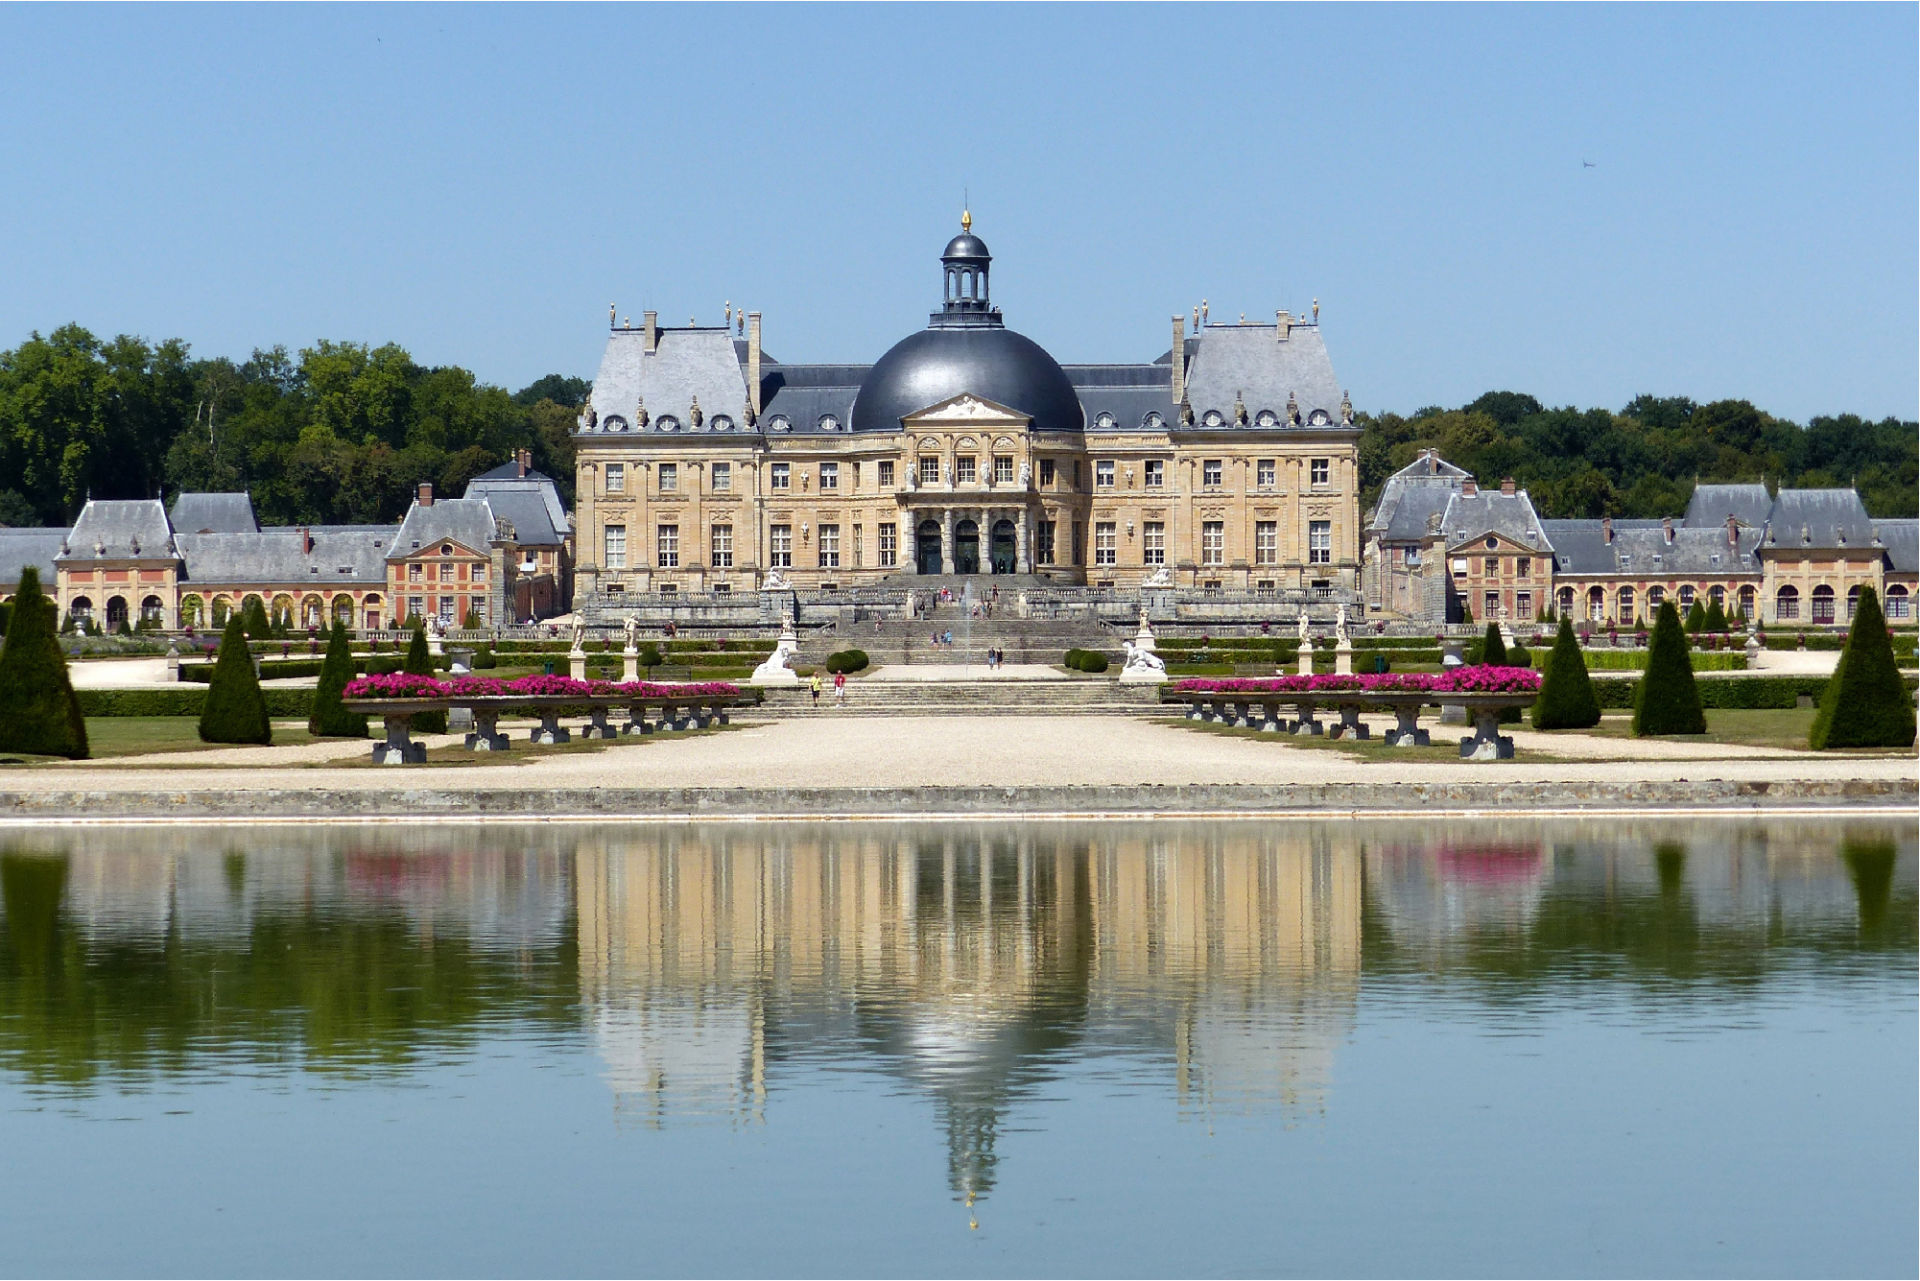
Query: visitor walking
x=839, y=689
x=816, y=689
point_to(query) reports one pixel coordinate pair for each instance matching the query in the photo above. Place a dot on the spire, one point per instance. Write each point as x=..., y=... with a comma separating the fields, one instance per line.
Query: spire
x=966, y=221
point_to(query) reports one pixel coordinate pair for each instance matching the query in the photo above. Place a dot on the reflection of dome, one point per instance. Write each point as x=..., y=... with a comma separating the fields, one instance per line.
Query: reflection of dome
x=993, y=363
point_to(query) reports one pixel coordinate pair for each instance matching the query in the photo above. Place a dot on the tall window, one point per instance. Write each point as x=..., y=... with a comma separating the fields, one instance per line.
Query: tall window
x=1003, y=469
x=1686, y=597
x=1823, y=604
x=1656, y=597
x=1153, y=543
x=669, y=474
x=1320, y=542
x=929, y=469
x=1746, y=601
x=616, y=555
x=1786, y=604
x=855, y=482
x=1156, y=473
x=781, y=476
x=1046, y=471
x=885, y=468
x=616, y=478
x=1490, y=605
x=1319, y=471
x=1104, y=543
x=1263, y=473
x=1899, y=601
x=723, y=546
x=1623, y=609
x=722, y=474
x=1043, y=546
x=1853, y=600
x=1523, y=605
x=1266, y=542
x=1523, y=567
x=780, y=546
x=1213, y=543
x=667, y=540
x=1211, y=472
x=1079, y=542
x=829, y=475
x=889, y=549
x=1492, y=566
x=829, y=546
x=858, y=539
x=1103, y=474
x=963, y=471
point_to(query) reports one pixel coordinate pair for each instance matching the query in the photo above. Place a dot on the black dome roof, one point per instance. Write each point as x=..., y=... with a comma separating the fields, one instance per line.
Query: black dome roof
x=967, y=245
x=938, y=364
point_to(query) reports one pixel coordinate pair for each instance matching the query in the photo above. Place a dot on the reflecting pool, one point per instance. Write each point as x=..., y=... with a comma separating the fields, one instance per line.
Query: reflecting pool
x=1236, y=1047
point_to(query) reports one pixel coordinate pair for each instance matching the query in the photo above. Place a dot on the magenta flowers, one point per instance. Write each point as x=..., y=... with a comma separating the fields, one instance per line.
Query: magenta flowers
x=401, y=685
x=1460, y=680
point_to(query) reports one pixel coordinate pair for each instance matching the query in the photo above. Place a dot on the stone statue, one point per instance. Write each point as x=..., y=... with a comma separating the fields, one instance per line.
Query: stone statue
x=1026, y=474
x=1145, y=626
x=949, y=475
x=911, y=601
x=1340, y=623
x=633, y=631
x=1303, y=626
x=579, y=634
x=774, y=671
x=774, y=581
x=1161, y=577
x=1143, y=666
x=1026, y=610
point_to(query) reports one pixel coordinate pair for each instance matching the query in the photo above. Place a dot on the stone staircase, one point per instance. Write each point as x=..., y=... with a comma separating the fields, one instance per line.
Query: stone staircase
x=1098, y=696
x=901, y=641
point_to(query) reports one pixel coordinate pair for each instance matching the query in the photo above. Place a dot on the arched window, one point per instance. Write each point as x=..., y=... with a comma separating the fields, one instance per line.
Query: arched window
x=1786, y=603
x=1566, y=601
x=1853, y=601
x=1686, y=597
x=1655, y=596
x=1623, y=610
x=1746, y=601
x=1899, y=602
x=1823, y=604
x=191, y=609
x=152, y=611
x=343, y=609
x=1596, y=604
x=1718, y=595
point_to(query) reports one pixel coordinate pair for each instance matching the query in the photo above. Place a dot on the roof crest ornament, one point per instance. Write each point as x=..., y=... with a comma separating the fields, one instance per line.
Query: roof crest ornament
x=966, y=220
x=640, y=414
x=1239, y=411
x=695, y=415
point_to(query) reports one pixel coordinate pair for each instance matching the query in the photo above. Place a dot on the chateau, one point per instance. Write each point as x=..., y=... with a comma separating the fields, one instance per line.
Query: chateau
x=706, y=466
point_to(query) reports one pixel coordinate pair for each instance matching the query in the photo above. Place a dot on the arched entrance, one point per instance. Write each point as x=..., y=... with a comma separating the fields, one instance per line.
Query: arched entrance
x=116, y=613
x=1003, y=547
x=926, y=547
x=966, y=548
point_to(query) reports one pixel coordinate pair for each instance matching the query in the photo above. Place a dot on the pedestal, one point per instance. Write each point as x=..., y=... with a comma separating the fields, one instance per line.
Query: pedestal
x=597, y=726
x=551, y=733
x=1406, y=731
x=1343, y=658
x=629, y=664
x=173, y=662
x=1306, y=658
x=577, y=664
x=1309, y=722
x=486, y=735
x=1451, y=656
x=1350, y=726
x=1486, y=743
x=399, y=747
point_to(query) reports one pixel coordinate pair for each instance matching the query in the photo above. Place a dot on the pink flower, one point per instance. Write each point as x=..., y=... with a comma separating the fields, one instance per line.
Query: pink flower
x=394, y=685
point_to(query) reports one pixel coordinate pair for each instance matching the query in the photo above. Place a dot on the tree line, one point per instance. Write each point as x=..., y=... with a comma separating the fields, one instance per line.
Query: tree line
x=340, y=432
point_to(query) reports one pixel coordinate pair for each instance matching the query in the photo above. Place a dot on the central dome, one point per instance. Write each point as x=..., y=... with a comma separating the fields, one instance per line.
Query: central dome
x=966, y=350
x=995, y=364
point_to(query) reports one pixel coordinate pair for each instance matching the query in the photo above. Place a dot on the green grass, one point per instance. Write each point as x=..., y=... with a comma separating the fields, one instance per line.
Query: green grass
x=1739, y=726
x=1372, y=751
x=521, y=752
x=111, y=736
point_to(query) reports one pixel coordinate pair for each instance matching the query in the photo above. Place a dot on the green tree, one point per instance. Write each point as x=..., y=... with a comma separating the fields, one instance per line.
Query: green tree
x=1493, y=648
x=1716, y=619
x=38, y=711
x=235, y=711
x=1866, y=704
x=420, y=663
x=1566, y=698
x=1696, y=618
x=253, y=617
x=1667, y=701
x=330, y=718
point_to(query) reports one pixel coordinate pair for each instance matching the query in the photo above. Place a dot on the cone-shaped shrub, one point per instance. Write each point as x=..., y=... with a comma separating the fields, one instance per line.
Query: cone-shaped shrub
x=1667, y=701
x=1696, y=617
x=1566, y=693
x=1865, y=704
x=38, y=711
x=1716, y=618
x=254, y=618
x=235, y=710
x=1493, y=650
x=420, y=663
x=330, y=719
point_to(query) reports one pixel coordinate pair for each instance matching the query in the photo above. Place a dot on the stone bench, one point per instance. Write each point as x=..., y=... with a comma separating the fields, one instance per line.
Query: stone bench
x=671, y=713
x=1261, y=710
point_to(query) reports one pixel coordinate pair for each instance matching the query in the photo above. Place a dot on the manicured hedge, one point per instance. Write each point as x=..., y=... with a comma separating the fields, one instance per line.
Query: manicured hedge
x=270, y=669
x=1635, y=660
x=847, y=660
x=184, y=700
x=1085, y=660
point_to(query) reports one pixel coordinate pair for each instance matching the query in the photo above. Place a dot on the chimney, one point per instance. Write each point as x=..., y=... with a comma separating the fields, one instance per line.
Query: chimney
x=650, y=327
x=1433, y=462
x=1282, y=324
x=753, y=361
x=306, y=541
x=425, y=495
x=1666, y=528
x=1179, y=358
x=1469, y=487
x=1507, y=487
x=1733, y=532
x=1606, y=530
x=524, y=458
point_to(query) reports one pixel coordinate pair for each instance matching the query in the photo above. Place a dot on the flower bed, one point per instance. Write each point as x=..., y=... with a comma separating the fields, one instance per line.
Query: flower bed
x=401, y=685
x=1459, y=680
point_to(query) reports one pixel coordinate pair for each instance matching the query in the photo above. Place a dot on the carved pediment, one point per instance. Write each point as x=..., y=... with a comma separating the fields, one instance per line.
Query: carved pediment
x=967, y=408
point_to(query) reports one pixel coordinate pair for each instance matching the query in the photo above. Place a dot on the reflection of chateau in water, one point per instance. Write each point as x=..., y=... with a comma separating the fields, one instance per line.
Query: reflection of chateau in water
x=967, y=961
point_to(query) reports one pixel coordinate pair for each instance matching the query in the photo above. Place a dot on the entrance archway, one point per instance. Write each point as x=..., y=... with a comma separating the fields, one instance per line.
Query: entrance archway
x=966, y=548
x=1003, y=547
x=926, y=547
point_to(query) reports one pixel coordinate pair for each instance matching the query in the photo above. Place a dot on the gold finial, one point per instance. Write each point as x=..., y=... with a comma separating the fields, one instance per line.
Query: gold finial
x=966, y=220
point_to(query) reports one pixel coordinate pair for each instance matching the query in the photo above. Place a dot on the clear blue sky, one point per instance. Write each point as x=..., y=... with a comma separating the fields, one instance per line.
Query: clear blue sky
x=478, y=184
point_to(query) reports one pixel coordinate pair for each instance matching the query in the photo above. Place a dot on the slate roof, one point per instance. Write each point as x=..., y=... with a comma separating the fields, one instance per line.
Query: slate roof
x=467, y=521
x=1412, y=496
x=1250, y=363
x=341, y=555
x=213, y=514
x=1640, y=549
x=1826, y=519
x=532, y=507
x=1902, y=538
x=112, y=529
x=1129, y=407
x=685, y=364
x=1712, y=504
x=1471, y=516
x=28, y=545
x=799, y=408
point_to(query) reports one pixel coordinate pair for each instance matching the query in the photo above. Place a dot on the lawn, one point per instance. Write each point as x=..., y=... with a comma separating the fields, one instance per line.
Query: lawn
x=1745, y=726
x=110, y=736
x=1372, y=751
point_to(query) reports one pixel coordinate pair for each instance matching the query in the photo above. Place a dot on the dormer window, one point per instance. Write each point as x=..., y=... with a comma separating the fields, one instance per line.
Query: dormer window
x=1103, y=420
x=667, y=422
x=1213, y=418
x=1153, y=421
x=1266, y=418
x=778, y=422
x=720, y=422
x=829, y=423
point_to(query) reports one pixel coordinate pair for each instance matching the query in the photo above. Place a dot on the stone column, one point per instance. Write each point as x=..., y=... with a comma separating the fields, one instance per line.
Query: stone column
x=1021, y=565
x=946, y=541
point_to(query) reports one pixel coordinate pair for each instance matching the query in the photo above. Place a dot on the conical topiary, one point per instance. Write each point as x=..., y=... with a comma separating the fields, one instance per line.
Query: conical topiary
x=38, y=710
x=1716, y=618
x=420, y=663
x=1696, y=617
x=330, y=719
x=235, y=710
x=1566, y=698
x=1493, y=650
x=253, y=617
x=1866, y=704
x=1667, y=701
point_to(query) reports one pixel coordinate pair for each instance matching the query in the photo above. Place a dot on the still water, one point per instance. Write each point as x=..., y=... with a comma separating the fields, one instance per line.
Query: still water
x=1621, y=1047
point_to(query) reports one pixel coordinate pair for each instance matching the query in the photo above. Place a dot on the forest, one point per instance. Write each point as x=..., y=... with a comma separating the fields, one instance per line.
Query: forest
x=339, y=433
